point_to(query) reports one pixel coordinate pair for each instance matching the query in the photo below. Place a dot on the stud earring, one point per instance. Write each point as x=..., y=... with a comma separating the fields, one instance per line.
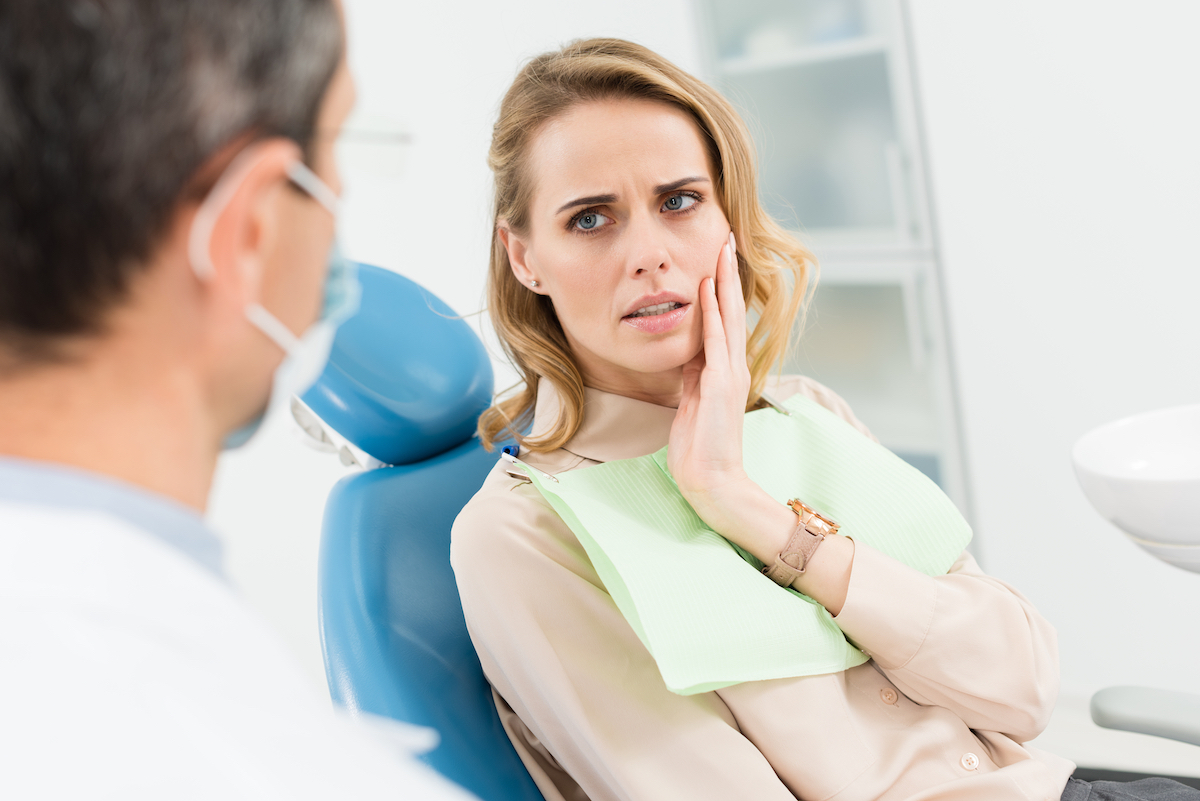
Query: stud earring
x=534, y=283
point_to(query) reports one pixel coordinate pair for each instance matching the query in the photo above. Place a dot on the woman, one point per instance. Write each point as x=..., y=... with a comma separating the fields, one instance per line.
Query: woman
x=629, y=244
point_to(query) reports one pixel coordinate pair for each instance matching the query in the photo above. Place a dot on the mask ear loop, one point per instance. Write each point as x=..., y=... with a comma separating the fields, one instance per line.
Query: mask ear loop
x=205, y=222
x=269, y=324
x=299, y=174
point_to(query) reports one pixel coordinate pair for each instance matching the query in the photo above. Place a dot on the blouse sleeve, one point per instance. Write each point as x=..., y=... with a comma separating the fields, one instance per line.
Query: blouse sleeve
x=963, y=641
x=557, y=649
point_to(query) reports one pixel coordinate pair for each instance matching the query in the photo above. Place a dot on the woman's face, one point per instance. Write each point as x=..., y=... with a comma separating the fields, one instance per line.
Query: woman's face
x=624, y=226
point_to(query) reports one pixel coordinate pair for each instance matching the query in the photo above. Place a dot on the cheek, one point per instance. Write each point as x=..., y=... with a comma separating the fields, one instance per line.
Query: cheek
x=294, y=288
x=701, y=247
x=580, y=283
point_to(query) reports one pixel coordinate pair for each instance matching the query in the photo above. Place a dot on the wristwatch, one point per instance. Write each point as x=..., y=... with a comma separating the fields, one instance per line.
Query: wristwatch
x=812, y=528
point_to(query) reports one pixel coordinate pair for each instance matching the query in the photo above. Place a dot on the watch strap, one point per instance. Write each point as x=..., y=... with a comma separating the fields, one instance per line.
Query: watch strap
x=811, y=529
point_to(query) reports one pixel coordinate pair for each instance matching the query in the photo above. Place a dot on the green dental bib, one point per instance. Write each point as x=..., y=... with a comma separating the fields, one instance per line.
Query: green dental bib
x=699, y=603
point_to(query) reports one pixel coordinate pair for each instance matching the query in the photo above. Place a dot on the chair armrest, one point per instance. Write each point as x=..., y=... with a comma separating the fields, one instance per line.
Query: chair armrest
x=1163, y=713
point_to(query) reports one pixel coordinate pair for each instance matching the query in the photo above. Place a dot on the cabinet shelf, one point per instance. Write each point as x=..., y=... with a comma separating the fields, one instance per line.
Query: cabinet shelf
x=847, y=273
x=883, y=238
x=803, y=56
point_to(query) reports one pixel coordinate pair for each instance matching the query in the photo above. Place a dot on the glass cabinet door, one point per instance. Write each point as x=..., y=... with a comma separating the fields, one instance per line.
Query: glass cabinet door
x=825, y=88
x=815, y=77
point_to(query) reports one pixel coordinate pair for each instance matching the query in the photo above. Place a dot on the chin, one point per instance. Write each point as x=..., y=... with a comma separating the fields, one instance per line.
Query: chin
x=663, y=357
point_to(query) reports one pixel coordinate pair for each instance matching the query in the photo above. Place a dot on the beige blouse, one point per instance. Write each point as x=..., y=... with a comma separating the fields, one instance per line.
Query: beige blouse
x=962, y=670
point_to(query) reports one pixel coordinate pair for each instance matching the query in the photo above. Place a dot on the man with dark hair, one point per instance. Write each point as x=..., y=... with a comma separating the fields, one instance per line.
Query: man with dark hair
x=167, y=202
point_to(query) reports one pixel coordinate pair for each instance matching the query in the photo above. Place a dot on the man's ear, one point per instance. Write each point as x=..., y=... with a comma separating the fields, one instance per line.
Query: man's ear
x=518, y=257
x=249, y=200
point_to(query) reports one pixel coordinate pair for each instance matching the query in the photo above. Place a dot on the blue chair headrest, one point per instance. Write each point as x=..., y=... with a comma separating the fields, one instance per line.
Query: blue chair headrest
x=407, y=378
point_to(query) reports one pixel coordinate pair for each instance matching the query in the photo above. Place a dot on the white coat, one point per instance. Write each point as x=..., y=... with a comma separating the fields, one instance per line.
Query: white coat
x=129, y=671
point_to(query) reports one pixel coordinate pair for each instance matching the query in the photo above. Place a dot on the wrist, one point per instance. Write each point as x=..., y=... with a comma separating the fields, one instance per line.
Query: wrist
x=827, y=578
x=816, y=560
x=743, y=513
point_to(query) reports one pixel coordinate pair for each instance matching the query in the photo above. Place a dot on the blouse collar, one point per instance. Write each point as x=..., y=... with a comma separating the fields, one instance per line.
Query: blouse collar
x=614, y=426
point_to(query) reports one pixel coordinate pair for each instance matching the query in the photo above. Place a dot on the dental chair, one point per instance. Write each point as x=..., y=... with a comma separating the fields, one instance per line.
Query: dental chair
x=405, y=383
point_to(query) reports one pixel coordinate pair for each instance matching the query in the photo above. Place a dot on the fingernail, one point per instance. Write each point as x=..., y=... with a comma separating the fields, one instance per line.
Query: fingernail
x=732, y=242
x=712, y=286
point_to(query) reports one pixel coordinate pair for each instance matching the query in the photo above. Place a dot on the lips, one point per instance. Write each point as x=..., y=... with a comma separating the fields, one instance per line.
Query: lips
x=653, y=311
x=647, y=302
x=657, y=314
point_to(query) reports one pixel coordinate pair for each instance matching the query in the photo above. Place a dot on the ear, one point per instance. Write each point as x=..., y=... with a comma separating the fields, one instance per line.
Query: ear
x=249, y=199
x=518, y=257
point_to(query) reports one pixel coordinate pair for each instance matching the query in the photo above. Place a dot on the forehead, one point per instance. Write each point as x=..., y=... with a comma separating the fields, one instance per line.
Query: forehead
x=602, y=146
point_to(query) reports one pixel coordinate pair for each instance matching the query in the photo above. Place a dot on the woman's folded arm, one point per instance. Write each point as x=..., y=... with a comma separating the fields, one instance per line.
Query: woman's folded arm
x=963, y=641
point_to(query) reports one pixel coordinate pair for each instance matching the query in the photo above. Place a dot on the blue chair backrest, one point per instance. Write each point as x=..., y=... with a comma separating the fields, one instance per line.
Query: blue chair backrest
x=406, y=382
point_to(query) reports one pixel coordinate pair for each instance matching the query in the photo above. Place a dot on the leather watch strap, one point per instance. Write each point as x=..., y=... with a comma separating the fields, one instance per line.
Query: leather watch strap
x=811, y=529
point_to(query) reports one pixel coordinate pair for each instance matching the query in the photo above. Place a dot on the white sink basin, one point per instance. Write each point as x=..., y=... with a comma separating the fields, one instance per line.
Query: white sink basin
x=1143, y=474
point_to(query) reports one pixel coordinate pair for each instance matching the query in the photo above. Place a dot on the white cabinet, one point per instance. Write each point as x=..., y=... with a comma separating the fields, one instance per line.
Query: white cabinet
x=826, y=89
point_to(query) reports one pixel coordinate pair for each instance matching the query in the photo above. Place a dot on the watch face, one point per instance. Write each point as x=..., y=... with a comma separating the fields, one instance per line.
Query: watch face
x=801, y=508
x=828, y=526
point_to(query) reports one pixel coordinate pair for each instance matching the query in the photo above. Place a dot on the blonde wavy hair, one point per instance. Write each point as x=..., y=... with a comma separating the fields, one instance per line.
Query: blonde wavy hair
x=775, y=269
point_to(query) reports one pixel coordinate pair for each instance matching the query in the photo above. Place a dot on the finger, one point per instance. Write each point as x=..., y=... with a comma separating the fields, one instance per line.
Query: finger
x=726, y=302
x=728, y=298
x=716, y=353
x=738, y=331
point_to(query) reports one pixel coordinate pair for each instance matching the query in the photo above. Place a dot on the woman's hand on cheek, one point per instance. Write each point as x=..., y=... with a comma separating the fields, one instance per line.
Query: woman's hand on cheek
x=706, y=440
x=705, y=449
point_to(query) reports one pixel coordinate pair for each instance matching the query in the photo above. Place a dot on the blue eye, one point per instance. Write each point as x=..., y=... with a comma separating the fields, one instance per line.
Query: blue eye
x=679, y=202
x=589, y=221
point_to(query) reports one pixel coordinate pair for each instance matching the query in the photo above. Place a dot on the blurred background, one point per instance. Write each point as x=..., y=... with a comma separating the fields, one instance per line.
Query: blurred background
x=1004, y=200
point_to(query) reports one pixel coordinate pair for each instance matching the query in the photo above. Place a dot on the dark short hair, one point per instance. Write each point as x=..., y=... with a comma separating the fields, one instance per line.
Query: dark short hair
x=108, y=108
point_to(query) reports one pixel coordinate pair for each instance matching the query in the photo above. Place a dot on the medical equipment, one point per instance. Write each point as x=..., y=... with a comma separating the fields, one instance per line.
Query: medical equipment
x=406, y=381
x=1142, y=474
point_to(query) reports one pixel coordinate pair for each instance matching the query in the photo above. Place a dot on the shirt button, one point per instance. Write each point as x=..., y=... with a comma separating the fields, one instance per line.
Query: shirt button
x=888, y=695
x=970, y=761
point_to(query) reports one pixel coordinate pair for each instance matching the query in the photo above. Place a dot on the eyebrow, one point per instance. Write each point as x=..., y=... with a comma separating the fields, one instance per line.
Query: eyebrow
x=661, y=189
x=591, y=200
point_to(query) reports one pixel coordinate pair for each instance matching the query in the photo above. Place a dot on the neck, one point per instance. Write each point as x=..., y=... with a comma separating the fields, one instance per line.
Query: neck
x=661, y=389
x=127, y=415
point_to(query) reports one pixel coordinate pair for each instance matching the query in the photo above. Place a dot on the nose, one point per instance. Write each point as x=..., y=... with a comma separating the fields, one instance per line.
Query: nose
x=646, y=247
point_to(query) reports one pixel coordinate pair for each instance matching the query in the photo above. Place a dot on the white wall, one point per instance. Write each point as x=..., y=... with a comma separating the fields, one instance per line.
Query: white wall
x=440, y=69
x=1063, y=140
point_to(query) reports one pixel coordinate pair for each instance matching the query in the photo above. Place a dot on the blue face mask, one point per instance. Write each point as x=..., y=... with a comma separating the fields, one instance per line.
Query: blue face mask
x=305, y=356
x=303, y=366
x=343, y=292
